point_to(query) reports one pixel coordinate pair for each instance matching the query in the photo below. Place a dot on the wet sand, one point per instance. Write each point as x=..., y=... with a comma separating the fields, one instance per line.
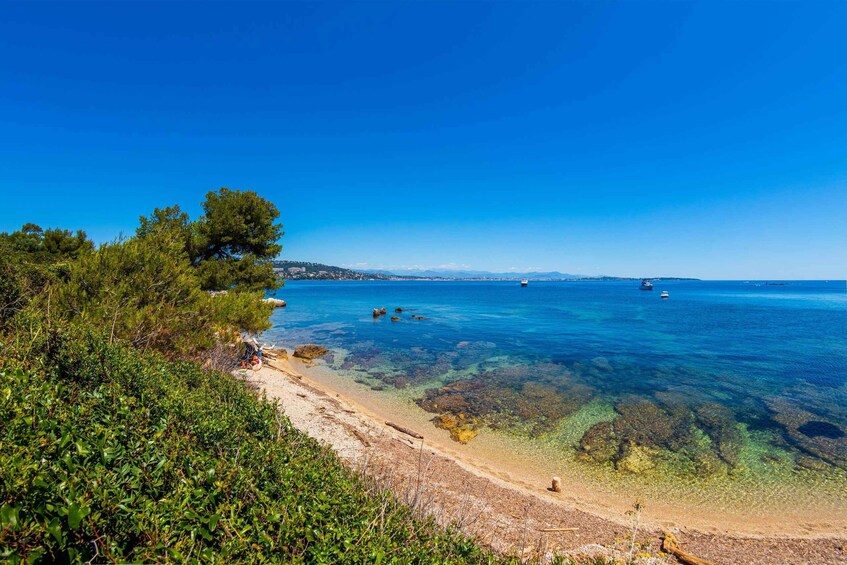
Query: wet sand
x=507, y=505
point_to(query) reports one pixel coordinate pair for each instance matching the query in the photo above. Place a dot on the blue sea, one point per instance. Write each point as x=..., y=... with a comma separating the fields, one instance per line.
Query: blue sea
x=741, y=380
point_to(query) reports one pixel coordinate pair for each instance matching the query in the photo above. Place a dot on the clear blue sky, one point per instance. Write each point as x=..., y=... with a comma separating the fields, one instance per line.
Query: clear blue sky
x=705, y=139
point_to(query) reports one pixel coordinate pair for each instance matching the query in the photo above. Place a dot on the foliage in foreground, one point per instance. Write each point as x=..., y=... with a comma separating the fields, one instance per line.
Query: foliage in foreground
x=145, y=292
x=111, y=454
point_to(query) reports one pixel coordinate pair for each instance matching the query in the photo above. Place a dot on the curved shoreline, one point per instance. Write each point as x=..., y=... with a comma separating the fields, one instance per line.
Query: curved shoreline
x=512, y=509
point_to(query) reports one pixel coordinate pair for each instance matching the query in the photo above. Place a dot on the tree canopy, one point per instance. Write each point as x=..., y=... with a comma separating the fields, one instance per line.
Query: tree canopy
x=49, y=245
x=232, y=244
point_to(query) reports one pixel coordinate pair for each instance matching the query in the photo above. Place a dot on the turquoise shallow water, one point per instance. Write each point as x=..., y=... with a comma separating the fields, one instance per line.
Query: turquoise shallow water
x=730, y=379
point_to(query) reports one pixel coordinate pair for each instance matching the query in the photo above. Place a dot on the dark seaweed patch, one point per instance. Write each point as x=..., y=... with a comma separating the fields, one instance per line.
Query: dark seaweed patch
x=816, y=428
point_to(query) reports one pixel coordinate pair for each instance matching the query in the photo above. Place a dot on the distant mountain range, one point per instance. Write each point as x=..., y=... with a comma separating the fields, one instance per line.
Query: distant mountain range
x=458, y=274
x=304, y=270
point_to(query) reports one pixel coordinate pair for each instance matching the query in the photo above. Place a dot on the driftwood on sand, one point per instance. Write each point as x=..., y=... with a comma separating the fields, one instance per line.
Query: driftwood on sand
x=360, y=436
x=406, y=431
x=671, y=545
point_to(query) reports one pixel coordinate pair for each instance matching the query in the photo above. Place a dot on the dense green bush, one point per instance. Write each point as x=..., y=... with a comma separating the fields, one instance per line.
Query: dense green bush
x=145, y=292
x=112, y=454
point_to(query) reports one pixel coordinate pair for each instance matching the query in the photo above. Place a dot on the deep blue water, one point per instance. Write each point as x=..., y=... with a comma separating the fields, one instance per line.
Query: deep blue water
x=740, y=344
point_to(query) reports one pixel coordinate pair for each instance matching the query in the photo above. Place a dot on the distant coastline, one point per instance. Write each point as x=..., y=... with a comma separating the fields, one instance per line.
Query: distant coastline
x=305, y=270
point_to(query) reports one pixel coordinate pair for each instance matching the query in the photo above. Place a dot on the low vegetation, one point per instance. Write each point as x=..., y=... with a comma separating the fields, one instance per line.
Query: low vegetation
x=113, y=454
x=116, y=446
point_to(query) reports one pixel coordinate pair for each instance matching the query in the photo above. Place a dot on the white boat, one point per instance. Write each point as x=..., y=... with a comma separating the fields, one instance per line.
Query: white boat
x=646, y=285
x=524, y=282
x=665, y=294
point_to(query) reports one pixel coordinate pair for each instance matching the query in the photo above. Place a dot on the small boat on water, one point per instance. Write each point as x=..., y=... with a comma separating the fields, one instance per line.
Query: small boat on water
x=665, y=294
x=646, y=285
x=524, y=282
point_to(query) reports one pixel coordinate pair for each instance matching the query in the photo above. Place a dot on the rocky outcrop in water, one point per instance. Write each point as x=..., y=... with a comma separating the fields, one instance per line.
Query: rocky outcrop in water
x=461, y=429
x=310, y=352
x=499, y=400
x=707, y=437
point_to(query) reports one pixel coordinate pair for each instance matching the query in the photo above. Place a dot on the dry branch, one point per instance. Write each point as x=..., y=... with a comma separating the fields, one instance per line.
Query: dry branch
x=406, y=431
x=671, y=545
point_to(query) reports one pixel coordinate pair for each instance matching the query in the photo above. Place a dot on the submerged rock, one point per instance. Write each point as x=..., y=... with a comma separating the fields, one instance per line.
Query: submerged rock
x=310, y=352
x=708, y=437
x=460, y=427
x=719, y=424
x=501, y=400
x=395, y=318
x=636, y=459
x=810, y=433
x=463, y=435
x=599, y=443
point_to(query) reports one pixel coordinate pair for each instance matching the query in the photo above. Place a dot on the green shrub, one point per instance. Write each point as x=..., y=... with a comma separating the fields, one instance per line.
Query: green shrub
x=239, y=310
x=112, y=454
x=142, y=290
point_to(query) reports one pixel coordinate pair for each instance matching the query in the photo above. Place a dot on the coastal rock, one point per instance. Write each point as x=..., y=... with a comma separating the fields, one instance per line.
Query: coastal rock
x=599, y=443
x=811, y=433
x=463, y=435
x=275, y=302
x=376, y=313
x=445, y=421
x=276, y=354
x=310, y=352
x=417, y=317
x=448, y=402
x=500, y=400
x=383, y=311
x=601, y=363
x=718, y=423
x=645, y=423
x=637, y=459
x=395, y=318
x=460, y=427
x=398, y=310
x=707, y=463
x=708, y=437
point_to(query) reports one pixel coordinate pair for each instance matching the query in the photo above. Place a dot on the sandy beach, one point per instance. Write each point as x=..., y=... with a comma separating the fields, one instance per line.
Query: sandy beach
x=492, y=501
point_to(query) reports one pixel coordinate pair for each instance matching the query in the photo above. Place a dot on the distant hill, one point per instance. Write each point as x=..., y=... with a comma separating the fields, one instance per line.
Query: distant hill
x=304, y=270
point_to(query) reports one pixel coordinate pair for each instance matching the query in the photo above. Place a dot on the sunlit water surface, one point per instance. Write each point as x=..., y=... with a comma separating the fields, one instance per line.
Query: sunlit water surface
x=727, y=393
